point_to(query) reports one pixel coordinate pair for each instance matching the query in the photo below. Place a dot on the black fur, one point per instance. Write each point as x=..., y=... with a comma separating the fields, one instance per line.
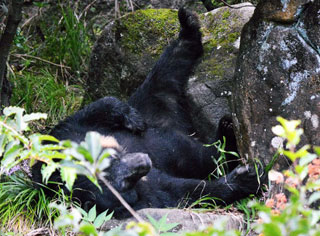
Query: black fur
x=154, y=127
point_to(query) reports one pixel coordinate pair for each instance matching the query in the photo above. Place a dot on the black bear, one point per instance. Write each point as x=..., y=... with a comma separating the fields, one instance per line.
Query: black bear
x=159, y=164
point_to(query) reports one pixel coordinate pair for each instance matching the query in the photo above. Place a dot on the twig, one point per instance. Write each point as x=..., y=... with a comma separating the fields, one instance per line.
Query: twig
x=40, y=59
x=129, y=2
x=86, y=9
x=120, y=198
x=227, y=4
x=116, y=9
x=131, y=5
x=209, y=6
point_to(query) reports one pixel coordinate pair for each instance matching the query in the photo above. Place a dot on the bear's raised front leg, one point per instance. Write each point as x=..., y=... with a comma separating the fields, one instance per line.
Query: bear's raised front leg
x=161, y=98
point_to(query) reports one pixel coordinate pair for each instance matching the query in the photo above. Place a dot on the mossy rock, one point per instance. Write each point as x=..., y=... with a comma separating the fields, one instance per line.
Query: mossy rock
x=128, y=48
x=221, y=37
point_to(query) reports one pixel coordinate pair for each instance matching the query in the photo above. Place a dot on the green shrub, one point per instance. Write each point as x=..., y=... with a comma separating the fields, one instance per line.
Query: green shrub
x=297, y=215
x=293, y=216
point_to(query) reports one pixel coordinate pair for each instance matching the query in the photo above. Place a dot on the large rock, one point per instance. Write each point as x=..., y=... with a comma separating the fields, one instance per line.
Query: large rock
x=187, y=220
x=277, y=74
x=210, y=88
x=129, y=47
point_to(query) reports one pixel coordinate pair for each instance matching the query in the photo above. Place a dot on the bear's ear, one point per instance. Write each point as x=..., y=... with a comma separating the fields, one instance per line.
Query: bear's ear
x=110, y=142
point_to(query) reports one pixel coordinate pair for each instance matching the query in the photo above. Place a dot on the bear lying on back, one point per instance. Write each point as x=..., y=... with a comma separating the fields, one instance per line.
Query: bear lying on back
x=161, y=164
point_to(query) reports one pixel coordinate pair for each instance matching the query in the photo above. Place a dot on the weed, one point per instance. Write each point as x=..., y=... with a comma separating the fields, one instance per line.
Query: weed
x=296, y=215
x=221, y=162
x=250, y=213
x=162, y=227
x=206, y=202
x=68, y=39
x=92, y=217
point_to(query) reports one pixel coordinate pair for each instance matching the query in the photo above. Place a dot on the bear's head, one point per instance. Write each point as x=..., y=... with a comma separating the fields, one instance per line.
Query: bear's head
x=123, y=173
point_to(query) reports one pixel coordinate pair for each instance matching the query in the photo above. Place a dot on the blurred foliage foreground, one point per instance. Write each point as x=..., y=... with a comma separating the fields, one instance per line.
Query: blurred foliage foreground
x=46, y=76
x=21, y=202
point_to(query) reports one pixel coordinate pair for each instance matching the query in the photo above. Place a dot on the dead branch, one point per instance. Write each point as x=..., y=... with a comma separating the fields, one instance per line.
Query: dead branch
x=120, y=198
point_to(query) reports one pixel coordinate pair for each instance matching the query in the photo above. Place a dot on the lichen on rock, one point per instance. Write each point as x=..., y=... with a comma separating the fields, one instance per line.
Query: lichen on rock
x=276, y=75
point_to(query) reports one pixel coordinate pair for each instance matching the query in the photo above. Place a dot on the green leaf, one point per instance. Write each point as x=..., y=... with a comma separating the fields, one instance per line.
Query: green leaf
x=47, y=171
x=104, y=161
x=8, y=111
x=21, y=125
x=68, y=175
x=305, y=160
x=92, y=139
x=292, y=156
x=302, y=171
x=66, y=143
x=315, y=218
x=101, y=218
x=171, y=234
x=49, y=138
x=88, y=229
x=162, y=225
x=3, y=141
x=168, y=226
x=317, y=150
x=85, y=153
x=271, y=229
x=83, y=213
x=50, y=155
x=92, y=214
x=34, y=116
x=73, y=153
x=51, y=147
x=108, y=217
x=12, y=151
x=302, y=152
x=154, y=222
x=94, y=180
x=79, y=168
x=314, y=197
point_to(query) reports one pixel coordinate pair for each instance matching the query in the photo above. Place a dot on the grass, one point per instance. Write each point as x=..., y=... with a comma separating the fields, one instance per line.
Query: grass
x=67, y=41
x=22, y=206
x=42, y=92
x=249, y=213
x=221, y=162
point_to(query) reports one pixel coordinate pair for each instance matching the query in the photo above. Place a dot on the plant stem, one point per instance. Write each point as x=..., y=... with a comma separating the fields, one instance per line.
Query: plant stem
x=120, y=198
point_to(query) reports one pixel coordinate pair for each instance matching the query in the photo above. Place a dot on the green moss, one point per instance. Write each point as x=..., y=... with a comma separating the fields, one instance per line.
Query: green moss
x=155, y=27
x=233, y=37
x=219, y=32
x=226, y=14
x=216, y=68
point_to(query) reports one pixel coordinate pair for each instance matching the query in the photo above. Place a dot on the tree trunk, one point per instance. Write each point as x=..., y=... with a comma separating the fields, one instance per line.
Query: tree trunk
x=13, y=20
